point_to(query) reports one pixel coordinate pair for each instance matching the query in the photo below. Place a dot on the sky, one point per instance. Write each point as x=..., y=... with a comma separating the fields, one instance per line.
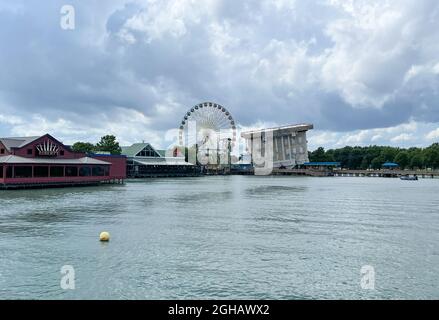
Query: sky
x=364, y=72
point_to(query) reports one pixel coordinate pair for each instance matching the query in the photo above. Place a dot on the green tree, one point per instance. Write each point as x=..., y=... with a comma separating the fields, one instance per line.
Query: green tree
x=389, y=153
x=364, y=164
x=431, y=156
x=402, y=158
x=109, y=144
x=377, y=162
x=356, y=157
x=417, y=162
x=375, y=156
x=317, y=155
x=83, y=147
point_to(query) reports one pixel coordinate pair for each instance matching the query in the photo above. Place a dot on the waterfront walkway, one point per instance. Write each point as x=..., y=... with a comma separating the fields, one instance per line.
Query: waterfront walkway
x=357, y=173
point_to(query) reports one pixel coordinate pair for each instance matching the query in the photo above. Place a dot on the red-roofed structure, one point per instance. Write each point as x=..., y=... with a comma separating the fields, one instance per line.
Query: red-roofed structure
x=45, y=162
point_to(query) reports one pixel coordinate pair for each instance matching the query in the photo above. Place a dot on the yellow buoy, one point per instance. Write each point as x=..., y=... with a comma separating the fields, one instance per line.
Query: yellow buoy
x=104, y=236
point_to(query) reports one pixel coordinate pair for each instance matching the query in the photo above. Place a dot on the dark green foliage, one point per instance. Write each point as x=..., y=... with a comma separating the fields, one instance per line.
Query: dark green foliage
x=83, y=147
x=108, y=143
x=374, y=156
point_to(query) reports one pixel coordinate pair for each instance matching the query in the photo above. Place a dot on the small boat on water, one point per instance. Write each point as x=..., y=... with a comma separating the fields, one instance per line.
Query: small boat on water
x=410, y=178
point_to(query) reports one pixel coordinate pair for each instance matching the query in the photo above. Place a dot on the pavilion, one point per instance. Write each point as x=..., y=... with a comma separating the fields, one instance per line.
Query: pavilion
x=144, y=161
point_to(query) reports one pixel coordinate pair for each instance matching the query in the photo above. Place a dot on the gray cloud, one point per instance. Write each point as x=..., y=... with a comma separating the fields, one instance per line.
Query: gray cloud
x=344, y=66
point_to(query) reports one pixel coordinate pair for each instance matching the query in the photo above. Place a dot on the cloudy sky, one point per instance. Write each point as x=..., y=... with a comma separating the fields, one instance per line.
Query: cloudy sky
x=363, y=72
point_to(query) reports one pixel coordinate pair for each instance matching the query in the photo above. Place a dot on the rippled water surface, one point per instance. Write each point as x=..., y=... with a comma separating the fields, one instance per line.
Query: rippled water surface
x=223, y=237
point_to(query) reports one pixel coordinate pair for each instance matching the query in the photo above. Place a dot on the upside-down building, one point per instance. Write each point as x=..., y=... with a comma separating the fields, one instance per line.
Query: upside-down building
x=287, y=146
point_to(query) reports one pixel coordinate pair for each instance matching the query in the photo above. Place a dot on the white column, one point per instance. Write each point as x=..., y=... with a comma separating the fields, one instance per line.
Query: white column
x=281, y=151
x=289, y=146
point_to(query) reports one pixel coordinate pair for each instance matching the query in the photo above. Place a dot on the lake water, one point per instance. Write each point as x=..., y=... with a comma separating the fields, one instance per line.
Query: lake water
x=240, y=237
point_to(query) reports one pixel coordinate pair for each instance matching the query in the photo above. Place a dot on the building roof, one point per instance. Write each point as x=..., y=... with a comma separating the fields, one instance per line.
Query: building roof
x=322, y=164
x=11, y=159
x=295, y=127
x=390, y=164
x=17, y=142
x=133, y=150
x=105, y=155
x=162, y=153
x=163, y=163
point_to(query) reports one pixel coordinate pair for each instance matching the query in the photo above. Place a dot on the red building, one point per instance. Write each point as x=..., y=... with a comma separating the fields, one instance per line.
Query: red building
x=44, y=161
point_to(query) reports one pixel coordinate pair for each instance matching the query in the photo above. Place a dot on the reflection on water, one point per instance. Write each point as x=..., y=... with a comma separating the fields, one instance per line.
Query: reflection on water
x=223, y=237
x=276, y=190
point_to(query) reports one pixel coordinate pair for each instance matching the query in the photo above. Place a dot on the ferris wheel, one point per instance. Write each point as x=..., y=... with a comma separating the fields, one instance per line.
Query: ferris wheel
x=208, y=125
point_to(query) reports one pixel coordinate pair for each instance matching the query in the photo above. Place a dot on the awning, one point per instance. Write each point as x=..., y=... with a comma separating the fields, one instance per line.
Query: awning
x=163, y=163
x=12, y=159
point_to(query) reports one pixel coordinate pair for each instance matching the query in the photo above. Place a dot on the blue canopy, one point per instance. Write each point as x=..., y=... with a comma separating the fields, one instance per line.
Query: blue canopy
x=322, y=164
x=390, y=165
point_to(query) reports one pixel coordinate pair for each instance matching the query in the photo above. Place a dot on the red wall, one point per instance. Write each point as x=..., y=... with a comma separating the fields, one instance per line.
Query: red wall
x=53, y=180
x=6, y=150
x=118, y=168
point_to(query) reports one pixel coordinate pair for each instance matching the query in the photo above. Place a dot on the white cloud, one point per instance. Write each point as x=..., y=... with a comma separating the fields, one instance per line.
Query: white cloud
x=168, y=18
x=402, y=137
x=221, y=40
x=375, y=45
x=405, y=135
x=433, y=135
x=10, y=119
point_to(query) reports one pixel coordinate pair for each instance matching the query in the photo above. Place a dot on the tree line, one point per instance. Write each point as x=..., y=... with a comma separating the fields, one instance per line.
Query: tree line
x=373, y=157
x=107, y=144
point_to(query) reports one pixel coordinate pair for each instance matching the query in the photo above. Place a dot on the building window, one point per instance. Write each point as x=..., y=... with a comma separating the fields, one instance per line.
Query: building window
x=9, y=172
x=97, y=171
x=41, y=172
x=2, y=151
x=23, y=172
x=57, y=171
x=29, y=151
x=1, y=172
x=147, y=152
x=71, y=171
x=61, y=153
x=85, y=171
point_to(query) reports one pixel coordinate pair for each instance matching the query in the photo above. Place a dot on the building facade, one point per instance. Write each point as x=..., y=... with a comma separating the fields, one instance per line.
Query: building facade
x=45, y=161
x=286, y=146
x=144, y=161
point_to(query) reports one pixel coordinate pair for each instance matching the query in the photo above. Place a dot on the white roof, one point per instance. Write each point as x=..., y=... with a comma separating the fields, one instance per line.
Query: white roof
x=296, y=127
x=17, y=142
x=163, y=163
x=12, y=159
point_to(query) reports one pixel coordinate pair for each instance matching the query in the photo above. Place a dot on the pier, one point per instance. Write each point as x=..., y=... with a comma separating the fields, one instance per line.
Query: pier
x=357, y=173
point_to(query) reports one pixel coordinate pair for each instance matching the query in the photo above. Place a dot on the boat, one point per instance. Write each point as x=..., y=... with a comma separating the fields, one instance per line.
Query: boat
x=407, y=177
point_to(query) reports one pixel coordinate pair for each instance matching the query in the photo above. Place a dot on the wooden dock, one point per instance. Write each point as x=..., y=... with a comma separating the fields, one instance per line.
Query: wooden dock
x=357, y=173
x=59, y=184
x=386, y=173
